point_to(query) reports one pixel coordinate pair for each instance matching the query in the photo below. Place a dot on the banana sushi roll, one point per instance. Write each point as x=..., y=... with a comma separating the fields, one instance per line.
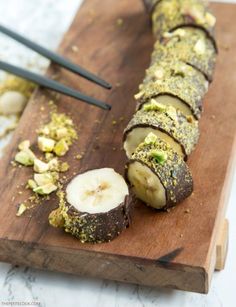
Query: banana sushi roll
x=190, y=45
x=158, y=175
x=168, y=15
x=174, y=83
x=95, y=207
x=167, y=123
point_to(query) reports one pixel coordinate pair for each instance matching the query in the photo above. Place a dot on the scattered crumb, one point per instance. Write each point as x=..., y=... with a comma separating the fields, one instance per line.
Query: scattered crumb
x=187, y=211
x=13, y=163
x=181, y=235
x=114, y=148
x=213, y=116
x=118, y=84
x=114, y=122
x=225, y=47
x=121, y=118
x=119, y=22
x=22, y=208
x=75, y=48
x=92, y=13
x=79, y=157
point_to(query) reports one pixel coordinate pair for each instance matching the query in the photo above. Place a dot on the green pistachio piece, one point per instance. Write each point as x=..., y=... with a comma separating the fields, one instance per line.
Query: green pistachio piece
x=200, y=47
x=139, y=95
x=40, y=166
x=42, y=179
x=54, y=165
x=159, y=156
x=25, y=157
x=45, y=189
x=154, y=106
x=61, y=133
x=171, y=112
x=22, y=208
x=24, y=145
x=61, y=148
x=45, y=144
x=32, y=184
x=210, y=19
x=151, y=138
x=49, y=156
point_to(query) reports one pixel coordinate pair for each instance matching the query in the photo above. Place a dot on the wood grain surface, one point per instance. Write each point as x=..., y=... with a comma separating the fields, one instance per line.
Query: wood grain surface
x=174, y=249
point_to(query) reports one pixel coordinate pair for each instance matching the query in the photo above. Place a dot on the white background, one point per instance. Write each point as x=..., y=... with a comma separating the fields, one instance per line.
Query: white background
x=45, y=21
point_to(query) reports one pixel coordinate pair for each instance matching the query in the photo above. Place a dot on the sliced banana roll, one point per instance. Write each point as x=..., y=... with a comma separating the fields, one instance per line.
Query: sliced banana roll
x=158, y=175
x=190, y=45
x=168, y=15
x=186, y=86
x=95, y=206
x=167, y=123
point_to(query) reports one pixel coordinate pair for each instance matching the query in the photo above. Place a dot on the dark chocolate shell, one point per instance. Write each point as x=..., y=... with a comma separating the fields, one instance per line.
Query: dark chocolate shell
x=177, y=79
x=93, y=228
x=169, y=15
x=100, y=227
x=183, y=132
x=173, y=174
x=190, y=45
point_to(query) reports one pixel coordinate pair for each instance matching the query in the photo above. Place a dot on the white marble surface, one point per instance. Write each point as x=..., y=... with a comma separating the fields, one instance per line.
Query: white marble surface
x=45, y=21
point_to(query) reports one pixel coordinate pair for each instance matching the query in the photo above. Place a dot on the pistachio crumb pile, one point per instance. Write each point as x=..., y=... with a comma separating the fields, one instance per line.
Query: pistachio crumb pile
x=53, y=141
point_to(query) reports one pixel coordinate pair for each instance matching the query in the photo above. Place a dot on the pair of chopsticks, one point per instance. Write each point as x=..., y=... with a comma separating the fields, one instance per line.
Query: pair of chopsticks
x=49, y=83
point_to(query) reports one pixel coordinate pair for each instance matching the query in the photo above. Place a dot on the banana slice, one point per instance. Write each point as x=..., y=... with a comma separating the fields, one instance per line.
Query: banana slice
x=190, y=45
x=177, y=79
x=95, y=206
x=165, y=122
x=158, y=175
x=175, y=102
x=169, y=15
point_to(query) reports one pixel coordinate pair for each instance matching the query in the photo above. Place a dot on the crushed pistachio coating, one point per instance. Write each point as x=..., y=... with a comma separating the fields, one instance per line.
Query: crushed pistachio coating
x=159, y=156
x=174, y=173
x=169, y=121
x=93, y=228
x=190, y=45
x=13, y=83
x=60, y=127
x=169, y=15
x=54, y=139
x=175, y=78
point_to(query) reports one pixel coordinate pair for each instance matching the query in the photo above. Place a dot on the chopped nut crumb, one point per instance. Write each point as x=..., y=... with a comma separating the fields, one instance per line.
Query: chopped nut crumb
x=75, y=48
x=119, y=22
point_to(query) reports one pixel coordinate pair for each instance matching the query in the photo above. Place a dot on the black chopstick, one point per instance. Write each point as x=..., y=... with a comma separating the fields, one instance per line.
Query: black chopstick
x=52, y=85
x=54, y=57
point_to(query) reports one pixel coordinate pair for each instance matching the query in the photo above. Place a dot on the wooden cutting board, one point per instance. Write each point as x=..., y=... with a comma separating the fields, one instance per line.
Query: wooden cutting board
x=175, y=249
